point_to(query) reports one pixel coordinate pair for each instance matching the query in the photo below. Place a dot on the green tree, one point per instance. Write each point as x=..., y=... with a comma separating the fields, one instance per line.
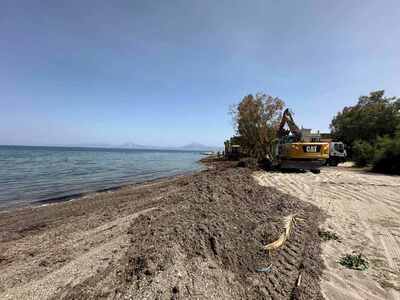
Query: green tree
x=255, y=120
x=363, y=153
x=373, y=116
x=387, y=155
x=371, y=130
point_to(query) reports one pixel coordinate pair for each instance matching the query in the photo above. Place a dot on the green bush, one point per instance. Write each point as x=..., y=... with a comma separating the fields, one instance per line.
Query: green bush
x=354, y=261
x=363, y=153
x=387, y=155
x=327, y=235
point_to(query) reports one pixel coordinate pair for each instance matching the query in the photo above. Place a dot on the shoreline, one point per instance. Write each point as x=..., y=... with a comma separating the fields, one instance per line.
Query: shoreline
x=87, y=194
x=77, y=196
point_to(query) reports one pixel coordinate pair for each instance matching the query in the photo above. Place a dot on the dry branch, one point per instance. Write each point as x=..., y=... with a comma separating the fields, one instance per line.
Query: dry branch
x=288, y=225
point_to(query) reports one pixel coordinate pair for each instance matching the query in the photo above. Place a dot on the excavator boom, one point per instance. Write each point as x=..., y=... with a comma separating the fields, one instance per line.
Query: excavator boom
x=287, y=118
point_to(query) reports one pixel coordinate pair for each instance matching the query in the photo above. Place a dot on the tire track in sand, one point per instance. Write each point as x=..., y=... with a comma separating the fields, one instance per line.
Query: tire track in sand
x=363, y=210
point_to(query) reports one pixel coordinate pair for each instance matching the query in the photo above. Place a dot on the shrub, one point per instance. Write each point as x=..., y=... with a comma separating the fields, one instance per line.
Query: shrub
x=363, y=153
x=387, y=155
x=354, y=261
x=327, y=235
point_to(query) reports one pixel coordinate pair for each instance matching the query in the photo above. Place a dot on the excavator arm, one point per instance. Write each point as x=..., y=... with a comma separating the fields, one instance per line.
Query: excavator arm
x=287, y=118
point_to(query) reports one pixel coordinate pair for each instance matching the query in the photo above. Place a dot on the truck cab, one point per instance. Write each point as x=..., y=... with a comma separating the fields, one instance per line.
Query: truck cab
x=337, y=153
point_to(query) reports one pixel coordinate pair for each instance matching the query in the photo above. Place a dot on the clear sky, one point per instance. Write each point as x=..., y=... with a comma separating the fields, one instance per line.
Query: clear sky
x=165, y=72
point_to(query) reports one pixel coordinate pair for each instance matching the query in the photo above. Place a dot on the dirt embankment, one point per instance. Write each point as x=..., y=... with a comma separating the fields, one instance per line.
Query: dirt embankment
x=193, y=237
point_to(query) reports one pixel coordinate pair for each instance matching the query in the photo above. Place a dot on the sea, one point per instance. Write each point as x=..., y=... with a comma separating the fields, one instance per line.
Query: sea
x=34, y=175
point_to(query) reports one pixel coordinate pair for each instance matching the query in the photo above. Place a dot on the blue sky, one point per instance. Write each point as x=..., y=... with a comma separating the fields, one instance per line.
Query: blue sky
x=165, y=72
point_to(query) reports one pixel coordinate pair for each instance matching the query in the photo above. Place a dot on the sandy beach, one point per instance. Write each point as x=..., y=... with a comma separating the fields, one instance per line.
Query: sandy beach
x=363, y=210
x=200, y=236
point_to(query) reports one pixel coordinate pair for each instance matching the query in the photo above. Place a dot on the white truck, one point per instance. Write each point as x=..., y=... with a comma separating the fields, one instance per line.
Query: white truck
x=337, y=153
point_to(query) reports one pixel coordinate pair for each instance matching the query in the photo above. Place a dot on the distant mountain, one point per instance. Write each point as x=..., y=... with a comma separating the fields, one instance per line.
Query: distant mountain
x=189, y=147
x=86, y=145
x=130, y=145
x=197, y=146
x=135, y=146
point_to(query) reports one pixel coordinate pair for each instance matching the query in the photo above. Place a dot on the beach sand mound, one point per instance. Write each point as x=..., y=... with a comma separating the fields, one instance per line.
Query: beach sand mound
x=192, y=237
x=205, y=242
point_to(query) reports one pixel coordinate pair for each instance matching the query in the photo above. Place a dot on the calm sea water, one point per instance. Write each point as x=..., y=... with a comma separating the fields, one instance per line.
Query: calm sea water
x=29, y=174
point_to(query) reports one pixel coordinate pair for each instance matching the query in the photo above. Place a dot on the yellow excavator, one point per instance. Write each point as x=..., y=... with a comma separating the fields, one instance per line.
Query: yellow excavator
x=297, y=148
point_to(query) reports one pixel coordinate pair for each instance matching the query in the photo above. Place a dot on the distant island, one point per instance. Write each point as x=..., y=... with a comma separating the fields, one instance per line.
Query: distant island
x=189, y=147
x=192, y=146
